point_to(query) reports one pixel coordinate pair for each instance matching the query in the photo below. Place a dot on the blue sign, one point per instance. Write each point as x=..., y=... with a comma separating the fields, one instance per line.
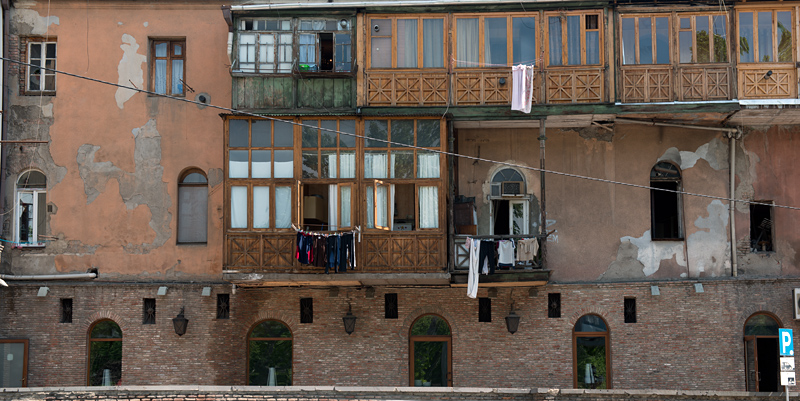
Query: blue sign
x=786, y=342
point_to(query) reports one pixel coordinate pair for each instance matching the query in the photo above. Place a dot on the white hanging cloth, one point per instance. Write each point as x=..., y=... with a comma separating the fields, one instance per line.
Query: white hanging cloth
x=522, y=88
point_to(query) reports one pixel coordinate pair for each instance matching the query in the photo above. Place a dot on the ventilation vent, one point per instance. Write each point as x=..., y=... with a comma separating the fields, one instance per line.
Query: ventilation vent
x=512, y=188
x=554, y=305
x=306, y=310
x=484, y=309
x=390, y=306
x=223, y=306
x=149, y=311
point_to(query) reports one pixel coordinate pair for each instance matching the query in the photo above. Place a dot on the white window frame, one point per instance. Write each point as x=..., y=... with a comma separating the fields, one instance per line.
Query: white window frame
x=525, y=201
x=34, y=230
x=42, y=64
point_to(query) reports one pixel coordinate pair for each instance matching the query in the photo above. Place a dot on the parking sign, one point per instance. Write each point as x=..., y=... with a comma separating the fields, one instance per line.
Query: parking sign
x=786, y=342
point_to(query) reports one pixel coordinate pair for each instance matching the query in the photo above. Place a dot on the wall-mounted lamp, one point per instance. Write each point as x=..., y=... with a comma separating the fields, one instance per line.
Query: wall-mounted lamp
x=206, y=292
x=43, y=291
x=162, y=291
x=349, y=321
x=180, y=322
x=501, y=81
x=768, y=74
x=512, y=320
x=654, y=290
x=698, y=287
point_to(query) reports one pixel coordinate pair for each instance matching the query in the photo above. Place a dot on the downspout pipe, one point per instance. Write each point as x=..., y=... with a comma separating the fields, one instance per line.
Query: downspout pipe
x=362, y=4
x=38, y=277
x=732, y=136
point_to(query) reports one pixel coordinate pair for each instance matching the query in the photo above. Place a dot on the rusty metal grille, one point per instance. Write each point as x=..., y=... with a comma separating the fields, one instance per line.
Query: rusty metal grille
x=149, y=311
x=390, y=306
x=223, y=306
x=66, y=310
x=554, y=305
x=306, y=310
x=484, y=309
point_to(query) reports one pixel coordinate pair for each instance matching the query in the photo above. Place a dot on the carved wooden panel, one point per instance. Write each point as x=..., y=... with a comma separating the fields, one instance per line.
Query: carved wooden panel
x=462, y=254
x=407, y=89
x=647, y=85
x=279, y=252
x=704, y=84
x=402, y=252
x=430, y=252
x=243, y=251
x=484, y=87
x=574, y=86
x=773, y=83
x=379, y=90
x=376, y=253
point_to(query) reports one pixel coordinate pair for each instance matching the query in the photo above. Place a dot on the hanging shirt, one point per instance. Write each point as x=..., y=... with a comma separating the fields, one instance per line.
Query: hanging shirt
x=472, y=278
x=505, y=249
x=527, y=249
x=522, y=88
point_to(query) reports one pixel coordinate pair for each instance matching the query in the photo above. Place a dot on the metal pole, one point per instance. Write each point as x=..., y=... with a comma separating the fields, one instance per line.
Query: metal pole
x=542, y=211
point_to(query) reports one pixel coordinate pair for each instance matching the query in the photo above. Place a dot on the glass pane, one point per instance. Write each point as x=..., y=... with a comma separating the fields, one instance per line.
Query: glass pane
x=328, y=164
x=428, y=135
x=720, y=39
x=328, y=133
x=177, y=49
x=12, y=368
x=402, y=164
x=31, y=179
x=238, y=207
x=109, y=329
x=177, y=77
x=347, y=164
x=271, y=329
x=237, y=135
x=430, y=325
x=310, y=164
x=284, y=164
x=36, y=51
x=524, y=40
x=260, y=207
x=402, y=132
x=370, y=208
x=51, y=50
x=407, y=43
x=160, y=84
x=761, y=325
x=347, y=127
x=554, y=45
x=375, y=163
x=430, y=363
x=685, y=42
x=381, y=202
x=283, y=207
x=344, y=194
x=284, y=137
x=518, y=226
x=105, y=363
x=262, y=134
x=343, y=54
x=194, y=178
x=765, y=53
x=746, y=54
x=261, y=164
x=590, y=323
x=237, y=164
x=381, y=52
x=662, y=40
x=645, y=41
x=433, y=43
x=467, y=42
x=628, y=41
x=427, y=164
x=428, y=207
x=378, y=129
x=784, y=34
x=702, y=36
x=494, y=41
x=270, y=363
x=750, y=363
x=310, y=135
x=592, y=47
x=574, y=40
x=686, y=23
x=591, y=359
x=161, y=49
x=26, y=214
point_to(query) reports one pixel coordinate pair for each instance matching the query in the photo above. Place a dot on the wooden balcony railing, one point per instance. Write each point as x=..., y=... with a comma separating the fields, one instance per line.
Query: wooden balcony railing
x=575, y=85
x=491, y=87
x=644, y=84
x=461, y=252
x=376, y=253
x=776, y=81
x=407, y=89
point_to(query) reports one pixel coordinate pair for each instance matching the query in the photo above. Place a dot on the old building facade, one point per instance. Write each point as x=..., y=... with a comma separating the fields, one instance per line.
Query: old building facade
x=278, y=172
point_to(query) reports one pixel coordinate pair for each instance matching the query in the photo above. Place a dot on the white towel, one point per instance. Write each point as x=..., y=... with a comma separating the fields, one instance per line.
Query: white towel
x=522, y=88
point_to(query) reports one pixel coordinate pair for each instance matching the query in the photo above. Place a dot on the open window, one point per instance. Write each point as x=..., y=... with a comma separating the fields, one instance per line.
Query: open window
x=510, y=203
x=31, y=208
x=665, y=202
x=761, y=238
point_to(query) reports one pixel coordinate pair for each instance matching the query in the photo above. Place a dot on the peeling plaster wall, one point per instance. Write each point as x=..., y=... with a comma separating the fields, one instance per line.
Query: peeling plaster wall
x=114, y=155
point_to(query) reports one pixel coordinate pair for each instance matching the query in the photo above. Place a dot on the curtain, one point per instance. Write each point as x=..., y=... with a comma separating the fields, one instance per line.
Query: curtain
x=237, y=164
x=284, y=163
x=238, y=207
x=428, y=207
x=345, y=198
x=391, y=207
x=247, y=52
x=347, y=168
x=260, y=207
x=427, y=165
x=329, y=159
x=407, y=43
x=375, y=164
x=370, y=208
x=161, y=77
x=433, y=43
x=261, y=164
x=177, y=77
x=628, y=41
x=555, y=40
x=381, y=195
x=192, y=213
x=468, y=42
x=573, y=40
x=283, y=207
x=332, y=206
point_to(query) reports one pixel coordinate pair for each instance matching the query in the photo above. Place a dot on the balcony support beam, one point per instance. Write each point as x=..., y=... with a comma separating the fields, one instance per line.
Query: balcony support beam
x=542, y=210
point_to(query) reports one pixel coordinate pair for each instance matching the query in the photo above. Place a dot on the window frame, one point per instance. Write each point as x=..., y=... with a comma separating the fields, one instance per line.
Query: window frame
x=636, y=40
x=679, y=203
x=394, y=39
x=693, y=30
x=91, y=340
x=482, y=63
x=775, y=39
x=754, y=248
x=565, y=38
x=36, y=192
x=248, y=339
x=606, y=335
x=181, y=185
x=25, y=345
x=170, y=58
x=44, y=42
x=448, y=339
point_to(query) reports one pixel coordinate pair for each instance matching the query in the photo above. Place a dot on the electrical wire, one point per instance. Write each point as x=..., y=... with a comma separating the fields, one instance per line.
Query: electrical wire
x=446, y=153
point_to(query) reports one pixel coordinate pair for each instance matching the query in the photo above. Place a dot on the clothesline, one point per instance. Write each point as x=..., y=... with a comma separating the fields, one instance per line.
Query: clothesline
x=475, y=63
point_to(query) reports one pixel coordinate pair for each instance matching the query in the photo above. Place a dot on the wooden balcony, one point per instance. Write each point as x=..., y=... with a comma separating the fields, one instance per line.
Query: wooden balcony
x=293, y=92
x=644, y=84
x=775, y=81
x=407, y=89
x=489, y=87
x=520, y=275
x=575, y=85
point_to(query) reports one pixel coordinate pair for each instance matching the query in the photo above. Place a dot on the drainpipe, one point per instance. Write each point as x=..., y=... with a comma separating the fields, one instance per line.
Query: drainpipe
x=543, y=213
x=68, y=276
x=732, y=158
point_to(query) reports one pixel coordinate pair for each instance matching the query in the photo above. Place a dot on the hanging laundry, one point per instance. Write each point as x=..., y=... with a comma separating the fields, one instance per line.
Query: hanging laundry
x=472, y=278
x=527, y=249
x=333, y=253
x=505, y=249
x=488, y=256
x=522, y=88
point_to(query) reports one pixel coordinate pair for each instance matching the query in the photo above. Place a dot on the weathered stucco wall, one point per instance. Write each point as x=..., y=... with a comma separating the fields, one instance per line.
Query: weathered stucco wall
x=115, y=155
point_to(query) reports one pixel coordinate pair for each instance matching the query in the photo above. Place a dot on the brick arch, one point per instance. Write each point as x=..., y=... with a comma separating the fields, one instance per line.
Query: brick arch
x=748, y=312
x=405, y=328
x=106, y=315
x=291, y=323
x=589, y=311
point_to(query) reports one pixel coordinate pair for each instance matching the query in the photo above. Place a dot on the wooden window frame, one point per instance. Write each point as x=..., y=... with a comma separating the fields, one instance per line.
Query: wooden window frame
x=420, y=18
x=276, y=50
x=679, y=207
x=482, y=38
x=249, y=339
x=751, y=337
x=564, y=38
x=26, y=345
x=653, y=18
x=90, y=340
x=434, y=338
x=44, y=42
x=181, y=185
x=606, y=335
x=754, y=47
x=693, y=29
x=170, y=57
x=36, y=192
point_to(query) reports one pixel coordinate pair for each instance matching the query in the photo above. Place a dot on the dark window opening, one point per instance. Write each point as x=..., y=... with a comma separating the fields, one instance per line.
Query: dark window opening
x=66, y=310
x=591, y=21
x=223, y=306
x=484, y=309
x=761, y=227
x=149, y=311
x=665, y=202
x=326, y=52
x=306, y=310
x=630, y=310
x=501, y=216
x=390, y=306
x=554, y=305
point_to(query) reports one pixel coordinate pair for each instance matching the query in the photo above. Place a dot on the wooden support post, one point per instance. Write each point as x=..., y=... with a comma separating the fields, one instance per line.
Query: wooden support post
x=543, y=213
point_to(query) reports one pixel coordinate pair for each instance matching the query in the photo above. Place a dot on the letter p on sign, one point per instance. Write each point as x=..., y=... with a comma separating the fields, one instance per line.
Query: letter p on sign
x=786, y=342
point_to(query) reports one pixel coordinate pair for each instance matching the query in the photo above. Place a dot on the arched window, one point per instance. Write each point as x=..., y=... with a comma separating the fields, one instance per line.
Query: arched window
x=761, y=352
x=509, y=203
x=591, y=350
x=31, y=208
x=431, y=352
x=192, y=207
x=665, y=206
x=269, y=350
x=105, y=354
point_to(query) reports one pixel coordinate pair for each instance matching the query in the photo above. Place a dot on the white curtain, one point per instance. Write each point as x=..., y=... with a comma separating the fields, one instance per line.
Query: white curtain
x=427, y=165
x=332, y=207
x=381, y=195
x=266, y=52
x=432, y=43
x=261, y=164
x=428, y=207
x=554, y=32
x=238, y=207
x=370, y=208
x=345, y=198
x=407, y=43
x=375, y=165
x=283, y=207
x=237, y=164
x=347, y=167
x=284, y=163
x=260, y=207
x=468, y=42
x=332, y=166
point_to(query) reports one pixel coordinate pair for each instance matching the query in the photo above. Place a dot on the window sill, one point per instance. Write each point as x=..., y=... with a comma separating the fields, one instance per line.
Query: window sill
x=38, y=93
x=311, y=74
x=152, y=95
x=192, y=243
x=30, y=246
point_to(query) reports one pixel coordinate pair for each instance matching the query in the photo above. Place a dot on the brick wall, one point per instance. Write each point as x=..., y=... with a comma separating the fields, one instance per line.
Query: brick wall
x=682, y=339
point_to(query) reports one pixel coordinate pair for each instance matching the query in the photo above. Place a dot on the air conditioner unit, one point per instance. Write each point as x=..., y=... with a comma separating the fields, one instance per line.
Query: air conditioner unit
x=796, y=302
x=512, y=188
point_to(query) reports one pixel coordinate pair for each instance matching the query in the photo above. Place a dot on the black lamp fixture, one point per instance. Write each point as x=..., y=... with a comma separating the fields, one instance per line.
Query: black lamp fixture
x=349, y=320
x=512, y=320
x=180, y=322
